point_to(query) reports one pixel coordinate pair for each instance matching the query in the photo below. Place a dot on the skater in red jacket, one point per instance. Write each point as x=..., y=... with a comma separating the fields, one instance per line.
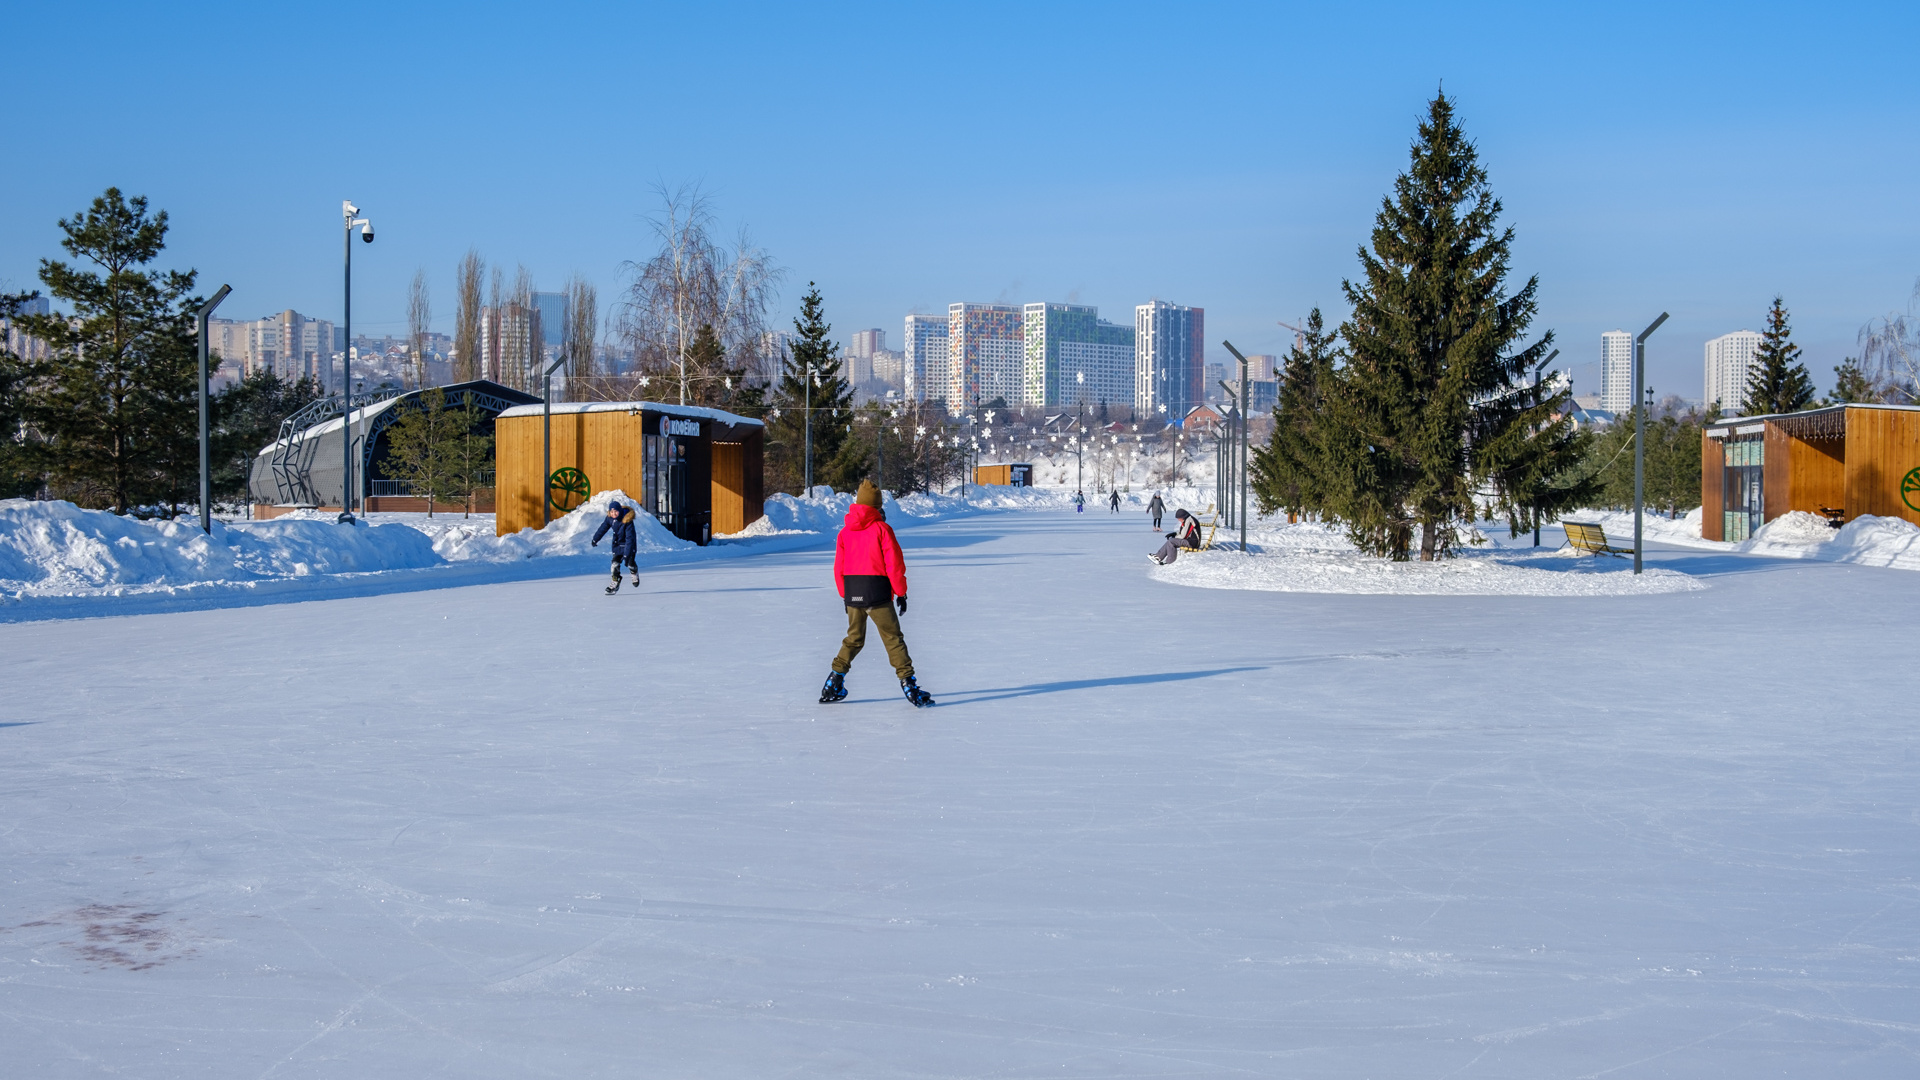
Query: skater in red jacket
x=872, y=577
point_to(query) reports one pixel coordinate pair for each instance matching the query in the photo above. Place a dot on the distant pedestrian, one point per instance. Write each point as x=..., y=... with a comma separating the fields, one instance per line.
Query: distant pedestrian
x=871, y=574
x=619, y=519
x=1156, y=508
x=1113, y=500
x=1079, y=502
x=1185, y=535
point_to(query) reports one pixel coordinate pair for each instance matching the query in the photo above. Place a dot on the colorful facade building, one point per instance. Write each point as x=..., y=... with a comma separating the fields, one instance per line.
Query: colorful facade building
x=1074, y=357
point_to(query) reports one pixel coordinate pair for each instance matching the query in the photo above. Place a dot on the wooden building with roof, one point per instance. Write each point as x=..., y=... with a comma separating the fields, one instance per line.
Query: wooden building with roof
x=698, y=470
x=1841, y=461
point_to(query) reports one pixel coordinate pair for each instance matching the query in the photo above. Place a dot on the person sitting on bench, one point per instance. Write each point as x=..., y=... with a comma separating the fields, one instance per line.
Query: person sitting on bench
x=1184, y=535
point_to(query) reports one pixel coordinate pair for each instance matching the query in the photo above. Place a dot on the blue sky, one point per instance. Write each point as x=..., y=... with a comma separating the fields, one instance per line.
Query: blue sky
x=1696, y=159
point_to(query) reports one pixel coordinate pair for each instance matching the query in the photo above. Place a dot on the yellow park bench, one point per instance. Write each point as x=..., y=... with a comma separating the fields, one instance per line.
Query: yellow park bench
x=1205, y=528
x=1591, y=538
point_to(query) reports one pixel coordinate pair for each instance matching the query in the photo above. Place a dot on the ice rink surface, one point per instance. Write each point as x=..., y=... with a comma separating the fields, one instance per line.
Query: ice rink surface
x=528, y=830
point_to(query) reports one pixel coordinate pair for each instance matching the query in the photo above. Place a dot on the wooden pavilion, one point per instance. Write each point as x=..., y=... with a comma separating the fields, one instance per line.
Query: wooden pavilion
x=698, y=470
x=1841, y=461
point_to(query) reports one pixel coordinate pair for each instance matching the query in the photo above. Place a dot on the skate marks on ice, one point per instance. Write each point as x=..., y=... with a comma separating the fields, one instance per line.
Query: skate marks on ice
x=102, y=936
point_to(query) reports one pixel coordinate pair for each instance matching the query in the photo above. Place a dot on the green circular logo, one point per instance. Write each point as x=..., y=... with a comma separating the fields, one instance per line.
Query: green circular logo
x=1909, y=488
x=567, y=488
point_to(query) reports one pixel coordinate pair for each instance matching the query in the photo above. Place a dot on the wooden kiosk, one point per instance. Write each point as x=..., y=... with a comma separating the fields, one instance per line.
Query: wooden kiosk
x=697, y=470
x=1012, y=475
x=1842, y=461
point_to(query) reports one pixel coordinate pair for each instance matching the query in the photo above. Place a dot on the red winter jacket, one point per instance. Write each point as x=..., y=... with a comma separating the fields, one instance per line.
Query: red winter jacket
x=867, y=546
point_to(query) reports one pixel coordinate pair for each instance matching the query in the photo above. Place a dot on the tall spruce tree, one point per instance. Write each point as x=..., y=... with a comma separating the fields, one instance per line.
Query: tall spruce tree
x=1437, y=383
x=1777, y=382
x=813, y=359
x=1290, y=472
x=112, y=406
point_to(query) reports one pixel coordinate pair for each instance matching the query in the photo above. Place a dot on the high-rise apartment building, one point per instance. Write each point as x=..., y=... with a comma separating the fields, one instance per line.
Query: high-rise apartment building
x=1170, y=356
x=511, y=344
x=1074, y=357
x=924, y=358
x=1616, y=371
x=867, y=342
x=16, y=340
x=1262, y=389
x=986, y=355
x=1729, y=360
x=289, y=344
x=887, y=368
x=553, y=308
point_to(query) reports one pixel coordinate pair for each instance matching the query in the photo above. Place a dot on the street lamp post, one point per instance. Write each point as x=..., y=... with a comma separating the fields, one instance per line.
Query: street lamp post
x=1639, y=434
x=347, y=212
x=1243, y=404
x=1536, y=382
x=206, y=478
x=546, y=440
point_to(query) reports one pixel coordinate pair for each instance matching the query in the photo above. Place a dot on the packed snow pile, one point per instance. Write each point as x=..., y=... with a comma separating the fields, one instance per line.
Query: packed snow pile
x=56, y=548
x=1316, y=558
x=571, y=534
x=1866, y=540
x=1683, y=531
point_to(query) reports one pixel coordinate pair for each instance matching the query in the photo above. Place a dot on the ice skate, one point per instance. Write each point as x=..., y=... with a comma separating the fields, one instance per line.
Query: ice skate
x=835, y=688
x=919, y=698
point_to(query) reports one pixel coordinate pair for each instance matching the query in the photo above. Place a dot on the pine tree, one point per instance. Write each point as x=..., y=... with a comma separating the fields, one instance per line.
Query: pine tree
x=711, y=381
x=428, y=448
x=1289, y=472
x=1777, y=382
x=113, y=405
x=828, y=401
x=1851, y=383
x=473, y=462
x=1436, y=385
x=246, y=417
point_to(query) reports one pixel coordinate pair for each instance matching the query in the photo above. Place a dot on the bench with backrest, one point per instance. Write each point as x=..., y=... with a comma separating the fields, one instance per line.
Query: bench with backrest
x=1204, y=528
x=1591, y=538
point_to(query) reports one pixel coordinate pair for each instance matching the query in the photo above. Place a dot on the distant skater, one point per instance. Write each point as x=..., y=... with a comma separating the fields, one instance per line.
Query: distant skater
x=1185, y=535
x=1113, y=500
x=1079, y=502
x=872, y=576
x=620, y=519
x=1156, y=508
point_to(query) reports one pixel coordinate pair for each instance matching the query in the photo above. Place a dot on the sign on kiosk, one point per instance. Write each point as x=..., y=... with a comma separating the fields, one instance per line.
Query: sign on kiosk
x=671, y=426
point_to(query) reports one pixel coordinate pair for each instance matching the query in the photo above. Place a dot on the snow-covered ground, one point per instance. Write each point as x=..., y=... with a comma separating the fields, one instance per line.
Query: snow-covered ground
x=1310, y=557
x=523, y=829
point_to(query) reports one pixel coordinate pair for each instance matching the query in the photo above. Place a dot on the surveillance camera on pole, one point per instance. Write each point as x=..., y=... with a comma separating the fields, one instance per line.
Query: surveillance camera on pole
x=348, y=213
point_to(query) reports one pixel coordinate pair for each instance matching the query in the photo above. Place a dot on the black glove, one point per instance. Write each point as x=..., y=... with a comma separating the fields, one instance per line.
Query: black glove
x=595, y=543
x=1169, y=536
x=901, y=603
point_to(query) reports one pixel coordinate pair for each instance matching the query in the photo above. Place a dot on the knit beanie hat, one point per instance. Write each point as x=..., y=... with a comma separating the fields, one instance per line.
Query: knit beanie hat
x=868, y=495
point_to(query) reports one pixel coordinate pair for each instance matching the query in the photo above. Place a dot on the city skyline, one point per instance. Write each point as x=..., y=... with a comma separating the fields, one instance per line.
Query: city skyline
x=1275, y=174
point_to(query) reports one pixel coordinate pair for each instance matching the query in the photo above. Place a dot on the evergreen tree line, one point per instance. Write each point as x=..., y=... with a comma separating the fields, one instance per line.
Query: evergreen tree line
x=108, y=417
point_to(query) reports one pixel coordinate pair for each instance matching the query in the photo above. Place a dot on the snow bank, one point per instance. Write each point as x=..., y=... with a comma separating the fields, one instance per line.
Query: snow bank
x=1866, y=540
x=1311, y=557
x=56, y=548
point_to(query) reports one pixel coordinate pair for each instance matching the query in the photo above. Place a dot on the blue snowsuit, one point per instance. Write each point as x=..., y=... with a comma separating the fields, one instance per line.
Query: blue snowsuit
x=625, y=544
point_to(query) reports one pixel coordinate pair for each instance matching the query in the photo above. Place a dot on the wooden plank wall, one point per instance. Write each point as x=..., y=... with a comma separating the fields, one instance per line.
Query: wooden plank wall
x=604, y=445
x=1883, y=445
x=1713, y=460
x=993, y=474
x=1777, y=497
x=1816, y=474
x=729, y=488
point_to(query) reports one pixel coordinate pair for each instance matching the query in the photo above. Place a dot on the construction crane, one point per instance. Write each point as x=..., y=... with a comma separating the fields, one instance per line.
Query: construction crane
x=1299, y=335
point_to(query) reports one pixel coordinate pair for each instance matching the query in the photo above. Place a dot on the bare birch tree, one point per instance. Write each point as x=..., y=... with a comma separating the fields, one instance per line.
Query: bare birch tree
x=419, y=320
x=1890, y=350
x=694, y=281
x=466, y=325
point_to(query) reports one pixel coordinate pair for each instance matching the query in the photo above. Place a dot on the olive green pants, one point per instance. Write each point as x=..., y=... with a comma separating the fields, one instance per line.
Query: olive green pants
x=888, y=623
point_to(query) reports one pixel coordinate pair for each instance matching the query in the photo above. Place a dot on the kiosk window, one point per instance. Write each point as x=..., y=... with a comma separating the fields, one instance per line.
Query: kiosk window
x=663, y=468
x=1743, y=487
